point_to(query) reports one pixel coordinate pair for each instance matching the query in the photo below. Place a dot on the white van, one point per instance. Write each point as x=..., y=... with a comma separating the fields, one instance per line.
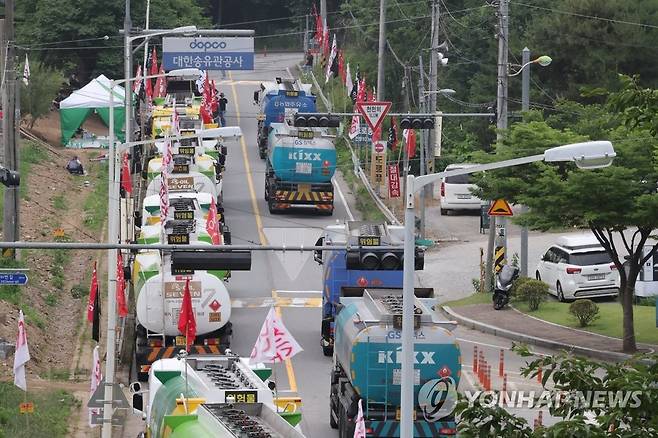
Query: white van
x=578, y=267
x=456, y=191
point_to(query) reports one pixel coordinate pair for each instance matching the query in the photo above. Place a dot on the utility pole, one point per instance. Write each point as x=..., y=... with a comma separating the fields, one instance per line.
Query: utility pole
x=11, y=224
x=382, y=51
x=423, y=137
x=525, y=106
x=306, y=37
x=433, y=96
x=323, y=11
x=405, y=96
x=127, y=68
x=501, y=119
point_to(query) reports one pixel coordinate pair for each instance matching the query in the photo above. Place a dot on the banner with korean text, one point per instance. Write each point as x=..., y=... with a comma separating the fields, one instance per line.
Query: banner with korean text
x=208, y=53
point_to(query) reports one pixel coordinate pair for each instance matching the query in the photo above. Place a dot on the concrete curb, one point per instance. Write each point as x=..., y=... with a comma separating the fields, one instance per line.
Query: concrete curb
x=540, y=342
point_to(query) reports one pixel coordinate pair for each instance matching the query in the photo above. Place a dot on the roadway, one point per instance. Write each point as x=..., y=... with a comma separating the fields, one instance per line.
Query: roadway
x=281, y=276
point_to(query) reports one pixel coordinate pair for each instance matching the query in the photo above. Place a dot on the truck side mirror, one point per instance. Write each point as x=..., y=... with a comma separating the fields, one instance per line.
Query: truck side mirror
x=138, y=402
x=256, y=93
x=317, y=254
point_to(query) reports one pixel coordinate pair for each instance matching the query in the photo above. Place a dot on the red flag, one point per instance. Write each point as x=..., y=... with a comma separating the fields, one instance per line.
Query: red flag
x=325, y=39
x=341, y=67
x=148, y=89
x=214, y=100
x=121, y=288
x=126, y=182
x=186, y=321
x=154, y=63
x=318, y=28
x=206, y=102
x=160, y=89
x=410, y=141
x=93, y=292
x=212, y=227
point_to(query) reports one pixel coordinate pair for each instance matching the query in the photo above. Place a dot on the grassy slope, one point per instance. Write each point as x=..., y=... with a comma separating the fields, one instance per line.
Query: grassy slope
x=50, y=418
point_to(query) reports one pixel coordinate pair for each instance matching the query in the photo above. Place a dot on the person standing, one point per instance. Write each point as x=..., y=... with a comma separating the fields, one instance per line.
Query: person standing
x=222, y=108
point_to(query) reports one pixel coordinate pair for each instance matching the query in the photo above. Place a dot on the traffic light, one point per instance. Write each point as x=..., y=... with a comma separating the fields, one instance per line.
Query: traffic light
x=9, y=178
x=381, y=260
x=312, y=120
x=206, y=260
x=412, y=121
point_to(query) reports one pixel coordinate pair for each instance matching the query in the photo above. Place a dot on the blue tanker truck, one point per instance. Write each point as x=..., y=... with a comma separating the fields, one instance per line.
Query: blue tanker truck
x=348, y=273
x=300, y=165
x=273, y=99
x=367, y=361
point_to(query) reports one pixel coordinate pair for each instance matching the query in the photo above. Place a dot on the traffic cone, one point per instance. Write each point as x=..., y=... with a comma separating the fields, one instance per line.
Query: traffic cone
x=475, y=359
x=501, y=363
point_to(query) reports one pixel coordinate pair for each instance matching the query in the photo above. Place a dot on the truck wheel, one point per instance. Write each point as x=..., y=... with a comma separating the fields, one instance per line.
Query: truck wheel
x=332, y=422
x=328, y=350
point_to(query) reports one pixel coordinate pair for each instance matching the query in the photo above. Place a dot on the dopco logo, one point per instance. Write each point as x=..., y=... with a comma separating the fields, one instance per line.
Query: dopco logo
x=205, y=45
x=437, y=398
x=426, y=357
x=301, y=155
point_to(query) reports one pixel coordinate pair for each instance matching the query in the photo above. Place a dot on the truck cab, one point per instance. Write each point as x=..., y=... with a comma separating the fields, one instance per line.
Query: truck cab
x=347, y=273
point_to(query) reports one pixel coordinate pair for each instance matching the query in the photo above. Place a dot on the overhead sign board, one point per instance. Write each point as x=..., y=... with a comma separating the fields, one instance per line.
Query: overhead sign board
x=373, y=112
x=16, y=278
x=500, y=207
x=208, y=53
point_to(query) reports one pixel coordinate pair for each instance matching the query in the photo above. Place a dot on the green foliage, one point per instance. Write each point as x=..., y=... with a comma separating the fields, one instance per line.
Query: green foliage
x=484, y=421
x=95, y=205
x=59, y=202
x=51, y=299
x=43, y=86
x=585, y=311
x=79, y=291
x=514, y=291
x=532, y=292
x=51, y=412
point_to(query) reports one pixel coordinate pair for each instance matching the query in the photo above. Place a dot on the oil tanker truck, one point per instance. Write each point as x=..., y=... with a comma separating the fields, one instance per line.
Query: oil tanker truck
x=348, y=273
x=367, y=361
x=299, y=168
x=273, y=99
x=217, y=396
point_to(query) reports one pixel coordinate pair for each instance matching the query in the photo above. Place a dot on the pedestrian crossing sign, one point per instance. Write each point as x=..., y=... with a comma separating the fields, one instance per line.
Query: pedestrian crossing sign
x=500, y=207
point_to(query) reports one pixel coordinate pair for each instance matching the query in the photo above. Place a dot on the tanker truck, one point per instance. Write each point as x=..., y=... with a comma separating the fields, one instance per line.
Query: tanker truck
x=214, y=396
x=367, y=361
x=348, y=273
x=299, y=168
x=273, y=99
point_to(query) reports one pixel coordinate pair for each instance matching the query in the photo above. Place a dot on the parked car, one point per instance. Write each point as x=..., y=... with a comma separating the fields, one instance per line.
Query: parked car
x=578, y=267
x=456, y=191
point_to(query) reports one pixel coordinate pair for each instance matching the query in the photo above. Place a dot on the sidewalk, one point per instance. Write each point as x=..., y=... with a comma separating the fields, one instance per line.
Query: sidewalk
x=512, y=324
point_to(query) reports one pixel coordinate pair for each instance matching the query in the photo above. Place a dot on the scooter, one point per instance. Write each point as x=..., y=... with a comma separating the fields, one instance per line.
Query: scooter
x=504, y=282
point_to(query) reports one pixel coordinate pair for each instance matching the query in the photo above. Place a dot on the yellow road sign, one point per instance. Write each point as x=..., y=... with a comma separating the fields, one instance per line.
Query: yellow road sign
x=500, y=207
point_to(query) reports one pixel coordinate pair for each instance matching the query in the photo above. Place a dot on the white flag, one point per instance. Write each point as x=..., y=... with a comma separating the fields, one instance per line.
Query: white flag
x=137, y=85
x=332, y=57
x=164, y=197
x=175, y=120
x=96, y=377
x=274, y=342
x=22, y=355
x=26, y=71
x=355, y=127
x=360, y=424
x=201, y=80
x=348, y=80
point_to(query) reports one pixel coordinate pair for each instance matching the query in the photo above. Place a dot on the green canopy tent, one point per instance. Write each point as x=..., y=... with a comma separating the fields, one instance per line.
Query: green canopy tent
x=95, y=96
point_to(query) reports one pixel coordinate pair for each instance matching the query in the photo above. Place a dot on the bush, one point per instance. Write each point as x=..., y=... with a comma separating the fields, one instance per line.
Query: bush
x=533, y=292
x=585, y=311
x=514, y=292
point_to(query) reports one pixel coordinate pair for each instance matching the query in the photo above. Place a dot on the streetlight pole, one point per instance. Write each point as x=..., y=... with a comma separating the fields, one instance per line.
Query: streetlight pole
x=127, y=65
x=590, y=155
x=525, y=106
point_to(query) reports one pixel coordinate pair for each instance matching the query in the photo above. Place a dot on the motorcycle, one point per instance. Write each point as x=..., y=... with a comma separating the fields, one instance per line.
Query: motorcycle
x=504, y=282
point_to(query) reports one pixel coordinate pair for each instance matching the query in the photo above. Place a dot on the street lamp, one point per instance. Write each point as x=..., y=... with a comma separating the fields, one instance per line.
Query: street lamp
x=543, y=61
x=588, y=155
x=127, y=57
x=113, y=235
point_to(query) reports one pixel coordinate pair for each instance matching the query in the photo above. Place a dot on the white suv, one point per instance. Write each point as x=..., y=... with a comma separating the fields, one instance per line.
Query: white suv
x=456, y=191
x=578, y=267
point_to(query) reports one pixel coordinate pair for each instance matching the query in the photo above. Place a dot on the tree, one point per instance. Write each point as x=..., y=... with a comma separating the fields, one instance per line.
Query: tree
x=37, y=97
x=619, y=204
x=576, y=379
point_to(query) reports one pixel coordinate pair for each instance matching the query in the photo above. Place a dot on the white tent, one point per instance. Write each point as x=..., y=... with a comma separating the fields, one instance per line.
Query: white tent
x=95, y=96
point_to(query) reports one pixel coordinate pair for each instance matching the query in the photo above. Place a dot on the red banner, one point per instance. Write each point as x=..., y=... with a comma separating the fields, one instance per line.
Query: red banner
x=393, y=181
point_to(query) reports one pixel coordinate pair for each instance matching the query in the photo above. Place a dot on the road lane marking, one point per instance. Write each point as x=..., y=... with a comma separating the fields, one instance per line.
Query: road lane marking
x=259, y=223
x=260, y=302
x=247, y=167
x=342, y=199
x=289, y=370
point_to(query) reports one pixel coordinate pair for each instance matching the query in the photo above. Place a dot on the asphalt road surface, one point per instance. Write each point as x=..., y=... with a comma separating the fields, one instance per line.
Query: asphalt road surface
x=291, y=277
